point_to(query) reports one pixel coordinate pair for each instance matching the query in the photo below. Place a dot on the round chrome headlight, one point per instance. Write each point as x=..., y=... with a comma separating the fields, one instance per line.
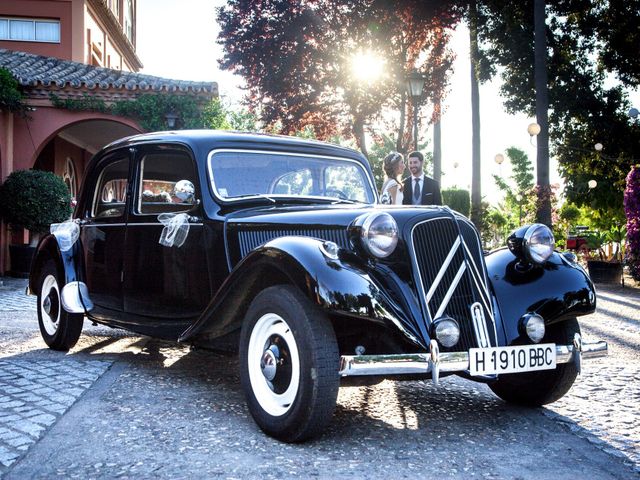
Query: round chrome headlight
x=447, y=331
x=379, y=234
x=533, y=325
x=538, y=243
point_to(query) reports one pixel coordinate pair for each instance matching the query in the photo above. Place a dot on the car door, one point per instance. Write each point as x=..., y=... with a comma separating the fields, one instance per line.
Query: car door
x=103, y=235
x=166, y=285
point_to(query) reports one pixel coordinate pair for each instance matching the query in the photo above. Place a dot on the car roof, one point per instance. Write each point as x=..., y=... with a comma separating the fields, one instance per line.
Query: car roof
x=209, y=139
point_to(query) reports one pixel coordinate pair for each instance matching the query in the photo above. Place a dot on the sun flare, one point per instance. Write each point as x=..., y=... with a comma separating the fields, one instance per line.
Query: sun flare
x=367, y=66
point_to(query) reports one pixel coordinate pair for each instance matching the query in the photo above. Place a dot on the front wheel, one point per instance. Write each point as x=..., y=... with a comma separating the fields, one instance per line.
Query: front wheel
x=59, y=328
x=288, y=364
x=534, y=389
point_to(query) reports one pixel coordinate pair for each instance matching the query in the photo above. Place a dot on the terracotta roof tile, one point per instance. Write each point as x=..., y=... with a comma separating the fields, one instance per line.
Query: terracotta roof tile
x=32, y=70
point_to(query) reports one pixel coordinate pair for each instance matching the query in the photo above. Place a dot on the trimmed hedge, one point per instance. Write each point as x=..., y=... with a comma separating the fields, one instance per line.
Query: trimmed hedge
x=458, y=200
x=34, y=199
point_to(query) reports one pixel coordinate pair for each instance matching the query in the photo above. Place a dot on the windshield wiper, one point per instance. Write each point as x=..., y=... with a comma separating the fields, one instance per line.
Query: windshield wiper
x=256, y=195
x=343, y=200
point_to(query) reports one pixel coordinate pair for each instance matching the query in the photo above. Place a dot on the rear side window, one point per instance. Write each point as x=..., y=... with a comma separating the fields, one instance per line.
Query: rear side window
x=110, y=195
x=167, y=184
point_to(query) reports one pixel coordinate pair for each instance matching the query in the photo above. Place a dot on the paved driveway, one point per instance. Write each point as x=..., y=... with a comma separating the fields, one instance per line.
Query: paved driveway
x=121, y=406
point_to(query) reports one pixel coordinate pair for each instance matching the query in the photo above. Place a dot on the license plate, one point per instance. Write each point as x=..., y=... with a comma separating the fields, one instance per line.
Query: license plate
x=526, y=358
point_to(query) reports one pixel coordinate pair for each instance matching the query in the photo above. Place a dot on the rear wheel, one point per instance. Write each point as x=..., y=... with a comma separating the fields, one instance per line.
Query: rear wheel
x=59, y=328
x=289, y=364
x=546, y=386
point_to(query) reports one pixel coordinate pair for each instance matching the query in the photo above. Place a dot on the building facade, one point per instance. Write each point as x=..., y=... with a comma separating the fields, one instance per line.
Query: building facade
x=72, y=49
x=95, y=32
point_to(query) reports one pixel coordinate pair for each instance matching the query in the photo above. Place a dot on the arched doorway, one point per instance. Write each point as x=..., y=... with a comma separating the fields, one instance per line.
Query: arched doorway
x=68, y=151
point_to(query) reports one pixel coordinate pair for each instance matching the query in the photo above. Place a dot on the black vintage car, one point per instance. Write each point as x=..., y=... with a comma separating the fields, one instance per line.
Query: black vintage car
x=278, y=247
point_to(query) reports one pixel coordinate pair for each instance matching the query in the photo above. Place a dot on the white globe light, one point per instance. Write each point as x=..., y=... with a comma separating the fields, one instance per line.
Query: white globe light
x=598, y=146
x=455, y=164
x=533, y=129
x=592, y=184
x=499, y=158
x=633, y=112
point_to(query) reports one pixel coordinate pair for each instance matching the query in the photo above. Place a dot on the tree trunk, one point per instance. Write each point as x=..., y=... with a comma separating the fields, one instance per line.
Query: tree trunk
x=476, y=192
x=543, y=211
x=358, y=130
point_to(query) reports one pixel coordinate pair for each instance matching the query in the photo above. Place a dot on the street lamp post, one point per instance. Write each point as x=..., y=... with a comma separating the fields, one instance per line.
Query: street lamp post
x=414, y=85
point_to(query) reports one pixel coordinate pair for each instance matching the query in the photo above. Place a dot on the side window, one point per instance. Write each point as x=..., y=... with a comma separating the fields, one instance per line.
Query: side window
x=110, y=195
x=167, y=183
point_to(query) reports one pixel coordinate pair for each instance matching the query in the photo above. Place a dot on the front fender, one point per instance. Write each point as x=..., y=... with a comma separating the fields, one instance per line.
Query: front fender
x=557, y=290
x=336, y=285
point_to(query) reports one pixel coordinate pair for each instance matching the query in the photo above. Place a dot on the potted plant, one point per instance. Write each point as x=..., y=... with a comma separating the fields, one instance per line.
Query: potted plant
x=32, y=199
x=605, y=255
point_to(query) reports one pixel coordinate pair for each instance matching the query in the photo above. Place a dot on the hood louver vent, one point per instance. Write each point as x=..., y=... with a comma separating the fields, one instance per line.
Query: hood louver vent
x=252, y=239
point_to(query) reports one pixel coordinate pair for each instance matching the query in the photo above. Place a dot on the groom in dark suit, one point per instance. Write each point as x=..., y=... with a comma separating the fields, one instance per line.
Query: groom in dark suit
x=418, y=188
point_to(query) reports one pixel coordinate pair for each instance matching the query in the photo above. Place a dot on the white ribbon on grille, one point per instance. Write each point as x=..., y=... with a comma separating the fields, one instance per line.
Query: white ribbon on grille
x=66, y=234
x=176, y=229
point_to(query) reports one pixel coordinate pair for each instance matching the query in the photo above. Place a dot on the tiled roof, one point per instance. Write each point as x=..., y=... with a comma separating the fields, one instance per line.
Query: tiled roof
x=35, y=70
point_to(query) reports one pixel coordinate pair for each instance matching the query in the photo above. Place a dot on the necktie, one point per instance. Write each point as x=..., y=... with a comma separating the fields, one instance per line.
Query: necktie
x=416, y=192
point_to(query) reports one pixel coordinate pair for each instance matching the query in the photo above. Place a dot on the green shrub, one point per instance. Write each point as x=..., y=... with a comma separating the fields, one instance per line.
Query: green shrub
x=458, y=200
x=11, y=98
x=34, y=199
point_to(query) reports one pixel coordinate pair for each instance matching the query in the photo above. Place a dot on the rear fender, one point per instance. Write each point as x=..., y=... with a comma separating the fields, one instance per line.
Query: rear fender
x=335, y=285
x=48, y=249
x=557, y=290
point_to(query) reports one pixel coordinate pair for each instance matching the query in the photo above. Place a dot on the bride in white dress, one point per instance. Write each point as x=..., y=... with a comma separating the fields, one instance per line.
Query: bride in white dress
x=393, y=165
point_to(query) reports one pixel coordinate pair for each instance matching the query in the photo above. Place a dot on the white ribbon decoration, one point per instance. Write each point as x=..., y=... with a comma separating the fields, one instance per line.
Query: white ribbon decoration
x=176, y=229
x=66, y=234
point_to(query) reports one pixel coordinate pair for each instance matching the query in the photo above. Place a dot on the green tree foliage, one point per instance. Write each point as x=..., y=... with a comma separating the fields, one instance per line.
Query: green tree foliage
x=457, y=199
x=295, y=57
x=34, y=199
x=590, y=43
x=521, y=174
x=11, y=96
x=518, y=206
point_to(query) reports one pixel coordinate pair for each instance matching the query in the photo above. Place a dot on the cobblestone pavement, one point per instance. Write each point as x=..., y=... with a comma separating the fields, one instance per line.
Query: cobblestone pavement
x=121, y=407
x=12, y=295
x=604, y=403
x=35, y=393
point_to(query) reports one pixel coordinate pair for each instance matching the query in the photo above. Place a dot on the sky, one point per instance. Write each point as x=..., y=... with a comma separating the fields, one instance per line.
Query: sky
x=185, y=48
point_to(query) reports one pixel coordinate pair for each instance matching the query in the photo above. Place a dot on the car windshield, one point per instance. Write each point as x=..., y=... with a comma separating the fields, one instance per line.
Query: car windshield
x=240, y=174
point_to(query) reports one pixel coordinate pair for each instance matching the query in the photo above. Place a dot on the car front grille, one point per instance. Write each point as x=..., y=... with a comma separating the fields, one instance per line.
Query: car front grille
x=450, y=275
x=252, y=239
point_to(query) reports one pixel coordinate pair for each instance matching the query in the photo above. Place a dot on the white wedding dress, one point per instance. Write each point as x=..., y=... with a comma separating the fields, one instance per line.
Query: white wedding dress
x=385, y=195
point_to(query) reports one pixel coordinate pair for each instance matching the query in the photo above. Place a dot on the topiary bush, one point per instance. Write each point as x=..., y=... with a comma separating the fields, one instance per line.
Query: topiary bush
x=632, y=211
x=458, y=200
x=34, y=199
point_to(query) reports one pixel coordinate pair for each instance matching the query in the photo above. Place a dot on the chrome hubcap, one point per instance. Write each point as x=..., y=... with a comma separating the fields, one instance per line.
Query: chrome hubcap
x=50, y=304
x=46, y=305
x=269, y=363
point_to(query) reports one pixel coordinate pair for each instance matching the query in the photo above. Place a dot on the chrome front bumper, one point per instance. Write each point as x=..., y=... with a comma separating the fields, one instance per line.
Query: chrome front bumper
x=435, y=362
